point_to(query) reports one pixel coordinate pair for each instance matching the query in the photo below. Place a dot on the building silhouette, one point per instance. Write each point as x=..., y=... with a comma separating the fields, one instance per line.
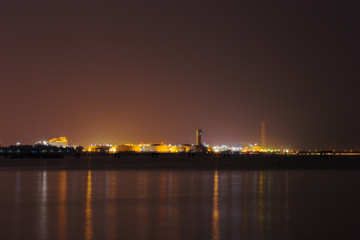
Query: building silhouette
x=198, y=137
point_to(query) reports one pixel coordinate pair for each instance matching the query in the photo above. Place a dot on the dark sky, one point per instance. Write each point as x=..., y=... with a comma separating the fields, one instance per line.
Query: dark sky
x=151, y=71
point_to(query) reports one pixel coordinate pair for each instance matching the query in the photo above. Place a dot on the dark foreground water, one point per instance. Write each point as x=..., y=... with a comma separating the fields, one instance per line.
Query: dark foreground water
x=173, y=204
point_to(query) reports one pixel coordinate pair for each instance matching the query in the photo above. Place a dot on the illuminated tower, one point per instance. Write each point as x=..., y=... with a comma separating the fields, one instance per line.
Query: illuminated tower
x=198, y=137
x=263, y=141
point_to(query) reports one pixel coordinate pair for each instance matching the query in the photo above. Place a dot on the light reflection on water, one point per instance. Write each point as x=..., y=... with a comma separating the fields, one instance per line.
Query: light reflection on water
x=164, y=204
x=111, y=206
x=215, y=214
x=88, y=210
x=43, y=211
x=62, y=230
x=142, y=210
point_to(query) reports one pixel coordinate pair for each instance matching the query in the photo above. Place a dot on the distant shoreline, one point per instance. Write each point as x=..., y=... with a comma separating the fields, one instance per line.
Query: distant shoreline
x=185, y=162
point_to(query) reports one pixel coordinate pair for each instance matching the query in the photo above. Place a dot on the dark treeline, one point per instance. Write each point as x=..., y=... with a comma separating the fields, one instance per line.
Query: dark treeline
x=36, y=151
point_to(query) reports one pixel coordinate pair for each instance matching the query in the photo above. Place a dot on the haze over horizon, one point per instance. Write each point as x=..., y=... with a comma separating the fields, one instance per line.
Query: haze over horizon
x=141, y=71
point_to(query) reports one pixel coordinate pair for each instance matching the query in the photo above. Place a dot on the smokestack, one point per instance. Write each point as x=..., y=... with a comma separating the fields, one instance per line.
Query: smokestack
x=263, y=136
x=198, y=137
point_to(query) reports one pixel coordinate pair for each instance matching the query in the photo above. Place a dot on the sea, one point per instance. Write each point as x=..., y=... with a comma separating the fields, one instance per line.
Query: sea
x=179, y=204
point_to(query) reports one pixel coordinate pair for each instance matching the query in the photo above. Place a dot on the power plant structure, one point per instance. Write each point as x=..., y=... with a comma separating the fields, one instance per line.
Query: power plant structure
x=198, y=137
x=263, y=135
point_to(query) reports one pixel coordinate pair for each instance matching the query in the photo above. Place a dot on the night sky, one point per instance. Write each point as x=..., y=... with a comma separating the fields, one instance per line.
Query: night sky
x=152, y=71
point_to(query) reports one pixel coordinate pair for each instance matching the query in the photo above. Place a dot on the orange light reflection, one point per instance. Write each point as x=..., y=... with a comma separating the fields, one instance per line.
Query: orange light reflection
x=215, y=222
x=62, y=205
x=88, y=210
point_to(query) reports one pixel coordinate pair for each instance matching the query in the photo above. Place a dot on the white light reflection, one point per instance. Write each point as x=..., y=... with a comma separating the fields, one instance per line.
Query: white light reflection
x=43, y=214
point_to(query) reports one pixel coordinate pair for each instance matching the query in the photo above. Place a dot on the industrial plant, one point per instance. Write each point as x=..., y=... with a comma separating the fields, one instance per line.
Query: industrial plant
x=59, y=147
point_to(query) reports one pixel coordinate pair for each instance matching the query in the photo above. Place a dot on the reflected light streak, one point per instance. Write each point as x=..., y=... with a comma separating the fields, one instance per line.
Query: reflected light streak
x=112, y=206
x=261, y=203
x=107, y=207
x=43, y=205
x=245, y=179
x=269, y=201
x=287, y=216
x=62, y=205
x=142, y=208
x=17, y=212
x=286, y=190
x=162, y=205
x=215, y=222
x=174, y=216
x=88, y=210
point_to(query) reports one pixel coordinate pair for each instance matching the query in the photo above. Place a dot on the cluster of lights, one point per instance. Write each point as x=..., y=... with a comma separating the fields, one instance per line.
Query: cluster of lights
x=248, y=149
x=169, y=148
x=43, y=142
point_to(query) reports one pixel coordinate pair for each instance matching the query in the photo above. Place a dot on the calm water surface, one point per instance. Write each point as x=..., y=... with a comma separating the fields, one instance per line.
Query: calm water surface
x=171, y=204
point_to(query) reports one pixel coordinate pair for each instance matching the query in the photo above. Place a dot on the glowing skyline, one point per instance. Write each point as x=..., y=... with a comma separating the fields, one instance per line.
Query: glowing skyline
x=154, y=71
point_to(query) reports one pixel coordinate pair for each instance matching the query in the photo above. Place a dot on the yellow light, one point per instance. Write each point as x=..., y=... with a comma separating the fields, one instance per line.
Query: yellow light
x=113, y=149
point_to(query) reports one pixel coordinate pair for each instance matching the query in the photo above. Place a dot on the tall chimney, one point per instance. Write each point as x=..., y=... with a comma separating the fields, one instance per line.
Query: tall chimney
x=263, y=135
